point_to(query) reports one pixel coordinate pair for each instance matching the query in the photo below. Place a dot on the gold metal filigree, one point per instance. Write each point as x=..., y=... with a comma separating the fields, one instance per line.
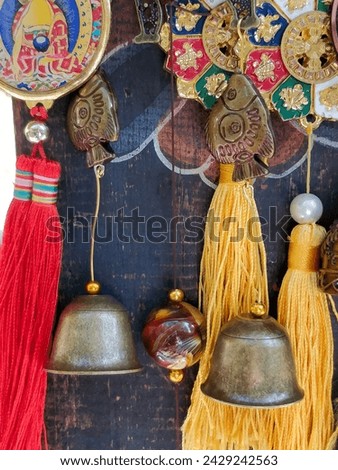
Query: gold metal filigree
x=189, y=57
x=267, y=98
x=266, y=30
x=165, y=37
x=264, y=68
x=185, y=18
x=329, y=97
x=185, y=90
x=307, y=48
x=294, y=98
x=297, y=4
x=215, y=84
x=220, y=36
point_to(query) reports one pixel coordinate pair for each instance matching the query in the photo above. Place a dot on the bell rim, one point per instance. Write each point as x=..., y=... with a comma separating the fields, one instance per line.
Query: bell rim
x=258, y=406
x=93, y=372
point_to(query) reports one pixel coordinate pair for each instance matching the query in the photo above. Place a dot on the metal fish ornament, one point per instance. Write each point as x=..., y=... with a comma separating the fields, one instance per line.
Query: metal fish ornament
x=239, y=129
x=92, y=120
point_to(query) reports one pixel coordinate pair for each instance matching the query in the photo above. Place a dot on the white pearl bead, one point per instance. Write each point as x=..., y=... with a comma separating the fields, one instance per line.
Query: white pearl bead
x=36, y=132
x=306, y=208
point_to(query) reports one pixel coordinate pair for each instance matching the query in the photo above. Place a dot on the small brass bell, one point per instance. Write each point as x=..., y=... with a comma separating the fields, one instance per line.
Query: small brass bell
x=328, y=274
x=93, y=337
x=252, y=364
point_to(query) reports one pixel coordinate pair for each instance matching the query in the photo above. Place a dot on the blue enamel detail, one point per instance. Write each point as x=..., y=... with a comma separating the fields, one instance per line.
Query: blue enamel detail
x=266, y=9
x=71, y=12
x=41, y=43
x=182, y=31
x=9, y=10
x=7, y=15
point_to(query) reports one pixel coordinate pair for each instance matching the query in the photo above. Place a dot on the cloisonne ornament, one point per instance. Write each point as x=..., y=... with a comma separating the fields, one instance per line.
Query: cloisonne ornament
x=289, y=55
x=48, y=48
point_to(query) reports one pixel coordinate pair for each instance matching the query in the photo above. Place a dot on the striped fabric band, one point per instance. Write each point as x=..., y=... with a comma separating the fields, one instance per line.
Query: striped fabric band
x=45, y=190
x=23, y=185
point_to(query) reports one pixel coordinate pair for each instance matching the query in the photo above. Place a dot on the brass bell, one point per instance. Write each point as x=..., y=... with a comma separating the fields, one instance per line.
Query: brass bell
x=93, y=337
x=328, y=274
x=252, y=364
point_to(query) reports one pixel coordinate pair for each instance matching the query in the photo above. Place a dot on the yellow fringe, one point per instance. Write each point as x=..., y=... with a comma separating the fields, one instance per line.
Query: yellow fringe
x=233, y=277
x=304, y=311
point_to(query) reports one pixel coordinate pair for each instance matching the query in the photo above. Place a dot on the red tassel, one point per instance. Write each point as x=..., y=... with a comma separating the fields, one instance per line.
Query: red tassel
x=12, y=270
x=17, y=211
x=27, y=307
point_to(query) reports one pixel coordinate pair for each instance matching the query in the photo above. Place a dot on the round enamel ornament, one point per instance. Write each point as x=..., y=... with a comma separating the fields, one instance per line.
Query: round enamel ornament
x=50, y=47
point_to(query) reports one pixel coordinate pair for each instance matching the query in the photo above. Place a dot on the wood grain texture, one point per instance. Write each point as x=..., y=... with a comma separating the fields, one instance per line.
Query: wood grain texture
x=138, y=411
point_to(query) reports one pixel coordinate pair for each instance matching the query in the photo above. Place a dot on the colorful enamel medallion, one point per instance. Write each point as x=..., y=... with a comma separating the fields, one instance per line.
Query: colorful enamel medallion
x=50, y=47
x=204, y=36
x=289, y=56
x=292, y=60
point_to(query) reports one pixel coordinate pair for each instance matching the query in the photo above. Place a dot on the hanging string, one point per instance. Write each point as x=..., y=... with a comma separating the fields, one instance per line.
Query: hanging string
x=174, y=203
x=40, y=114
x=99, y=173
x=173, y=153
x=309, y=131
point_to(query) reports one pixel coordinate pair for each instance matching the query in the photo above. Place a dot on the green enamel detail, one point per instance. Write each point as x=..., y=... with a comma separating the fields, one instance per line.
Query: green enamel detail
x=292, y=99
x=213, y=75
x=323, y=6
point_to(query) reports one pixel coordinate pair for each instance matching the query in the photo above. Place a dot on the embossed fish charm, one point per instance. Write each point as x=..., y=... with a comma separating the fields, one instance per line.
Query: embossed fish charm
x=239, y=129
x=92, y=120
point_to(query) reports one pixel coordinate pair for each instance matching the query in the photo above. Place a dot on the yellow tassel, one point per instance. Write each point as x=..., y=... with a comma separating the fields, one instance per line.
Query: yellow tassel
x=233, y=277
x=304, y=311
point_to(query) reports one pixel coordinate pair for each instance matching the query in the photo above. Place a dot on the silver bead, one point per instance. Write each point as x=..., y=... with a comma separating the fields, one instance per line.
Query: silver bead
x=306, y=208
x=36, y=132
